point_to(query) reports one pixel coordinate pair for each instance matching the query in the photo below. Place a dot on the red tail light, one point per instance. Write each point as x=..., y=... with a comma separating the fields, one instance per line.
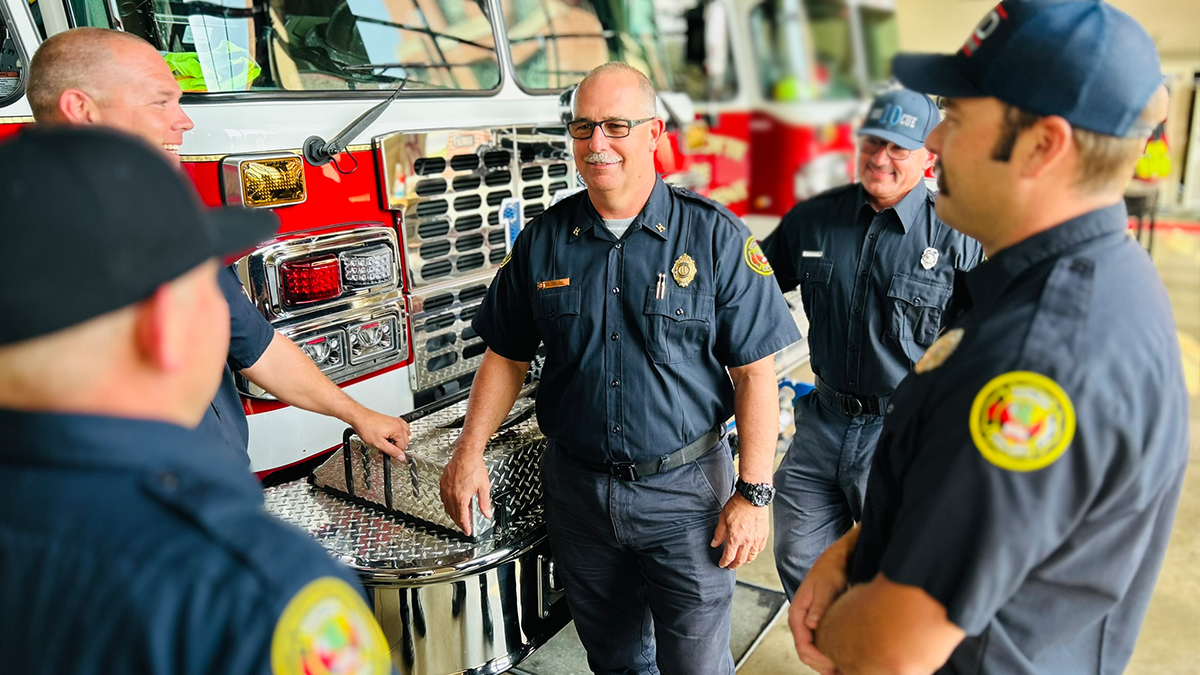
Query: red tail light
x=310, y=279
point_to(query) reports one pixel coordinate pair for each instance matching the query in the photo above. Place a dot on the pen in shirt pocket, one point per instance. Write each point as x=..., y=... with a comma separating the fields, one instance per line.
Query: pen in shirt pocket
x=660, y=289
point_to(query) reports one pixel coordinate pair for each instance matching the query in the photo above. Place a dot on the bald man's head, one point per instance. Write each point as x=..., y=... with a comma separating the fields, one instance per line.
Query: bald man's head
x=111, y=79
x=617, y=71
x=82, y=58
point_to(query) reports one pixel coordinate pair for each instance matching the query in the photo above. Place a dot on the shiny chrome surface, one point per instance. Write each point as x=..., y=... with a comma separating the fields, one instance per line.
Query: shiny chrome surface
x=449, y=187
x=447, y=605
x=389, y=306
x=412, y=487
x=481, y=624
x=444, y=344
x=259, y=271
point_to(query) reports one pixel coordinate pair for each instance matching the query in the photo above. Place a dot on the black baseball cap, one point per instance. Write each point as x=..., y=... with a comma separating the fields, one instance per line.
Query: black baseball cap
x=901, y=116
x=95, y=220
x=1082, y=60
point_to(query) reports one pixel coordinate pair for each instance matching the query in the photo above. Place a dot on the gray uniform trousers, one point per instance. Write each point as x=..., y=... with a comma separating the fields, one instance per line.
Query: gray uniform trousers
x=821, y=483
x=642, y=582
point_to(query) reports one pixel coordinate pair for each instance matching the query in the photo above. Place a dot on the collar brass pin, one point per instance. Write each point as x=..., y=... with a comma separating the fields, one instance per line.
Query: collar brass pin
x=575, y=232
x=660, y=227
x=684, y=270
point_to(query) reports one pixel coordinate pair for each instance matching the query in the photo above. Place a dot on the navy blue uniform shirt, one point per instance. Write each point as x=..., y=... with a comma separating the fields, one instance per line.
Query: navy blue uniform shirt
x=130, y=546
x=1027, y=477
x=249, y=336
x=873, y=293
x=630, y=376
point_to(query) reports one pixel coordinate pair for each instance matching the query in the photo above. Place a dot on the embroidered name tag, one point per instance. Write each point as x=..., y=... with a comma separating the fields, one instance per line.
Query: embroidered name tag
x=555, y=283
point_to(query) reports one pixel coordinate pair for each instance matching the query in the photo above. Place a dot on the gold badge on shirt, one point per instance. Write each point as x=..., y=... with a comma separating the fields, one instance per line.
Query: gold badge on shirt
x=684, y=270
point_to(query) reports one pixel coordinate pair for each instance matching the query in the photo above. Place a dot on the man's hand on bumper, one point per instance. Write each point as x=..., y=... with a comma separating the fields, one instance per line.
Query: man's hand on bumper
x=465, y=477
x=390, y=434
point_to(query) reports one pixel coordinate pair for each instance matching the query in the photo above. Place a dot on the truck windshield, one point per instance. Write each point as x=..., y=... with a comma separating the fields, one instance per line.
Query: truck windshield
x=312, y=45
x=823, y=49
x=681, y=45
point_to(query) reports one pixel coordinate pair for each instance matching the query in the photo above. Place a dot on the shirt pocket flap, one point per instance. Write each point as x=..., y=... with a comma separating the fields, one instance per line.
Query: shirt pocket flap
x=815, y=270
x=919, y=292
x=680, y=305
x=553, y=304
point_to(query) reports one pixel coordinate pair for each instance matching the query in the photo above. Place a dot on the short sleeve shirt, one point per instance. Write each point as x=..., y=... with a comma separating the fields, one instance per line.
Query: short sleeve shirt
x=132, y=546
x=874, y=284
x=249, y=336
x=1028, y=473
x=638, y=331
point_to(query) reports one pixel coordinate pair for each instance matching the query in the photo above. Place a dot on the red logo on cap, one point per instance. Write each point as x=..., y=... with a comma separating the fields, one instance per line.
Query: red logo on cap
x=984, y=30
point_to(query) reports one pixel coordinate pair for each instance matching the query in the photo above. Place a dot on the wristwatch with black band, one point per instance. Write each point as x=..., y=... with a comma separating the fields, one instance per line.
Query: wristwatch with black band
x=758, y=494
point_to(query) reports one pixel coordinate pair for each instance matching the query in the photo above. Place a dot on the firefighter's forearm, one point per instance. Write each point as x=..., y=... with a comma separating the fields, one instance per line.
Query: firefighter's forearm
x=290, y=376
x=496, y=387
x=756, y=409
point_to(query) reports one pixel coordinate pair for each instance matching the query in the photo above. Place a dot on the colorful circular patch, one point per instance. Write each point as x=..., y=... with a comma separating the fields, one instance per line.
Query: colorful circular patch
x=1022, y=421
x=755, y=259
x=327, y=629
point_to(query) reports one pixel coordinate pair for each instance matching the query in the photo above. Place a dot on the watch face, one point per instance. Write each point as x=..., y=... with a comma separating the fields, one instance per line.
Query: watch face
x=758, y=494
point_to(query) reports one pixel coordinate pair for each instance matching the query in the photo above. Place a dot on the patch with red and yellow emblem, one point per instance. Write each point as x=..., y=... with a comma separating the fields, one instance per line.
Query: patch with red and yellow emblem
x=327, y=629
x=755, y=259
x=1022, y=421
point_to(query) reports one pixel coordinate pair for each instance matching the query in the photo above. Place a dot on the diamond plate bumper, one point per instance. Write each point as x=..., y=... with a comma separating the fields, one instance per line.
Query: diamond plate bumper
x=412, y=488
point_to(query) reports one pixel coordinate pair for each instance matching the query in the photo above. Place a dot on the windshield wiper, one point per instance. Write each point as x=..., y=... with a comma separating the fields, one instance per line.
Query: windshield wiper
x=320, y=153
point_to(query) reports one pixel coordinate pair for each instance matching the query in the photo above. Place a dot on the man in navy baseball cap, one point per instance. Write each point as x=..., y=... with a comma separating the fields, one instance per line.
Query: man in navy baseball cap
x=1023, y=490
x=858, y=253
x=901, y=116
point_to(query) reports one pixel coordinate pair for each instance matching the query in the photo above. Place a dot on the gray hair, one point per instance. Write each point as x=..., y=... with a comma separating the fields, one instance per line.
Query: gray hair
x=649, y=96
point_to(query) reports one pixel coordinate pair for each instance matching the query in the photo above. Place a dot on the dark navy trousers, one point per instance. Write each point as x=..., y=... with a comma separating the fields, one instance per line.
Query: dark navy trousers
x=821, y=484
x=642, y=581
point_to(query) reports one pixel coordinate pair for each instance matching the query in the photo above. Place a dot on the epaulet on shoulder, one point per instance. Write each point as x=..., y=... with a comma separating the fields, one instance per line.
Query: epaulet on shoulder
x=690, y=196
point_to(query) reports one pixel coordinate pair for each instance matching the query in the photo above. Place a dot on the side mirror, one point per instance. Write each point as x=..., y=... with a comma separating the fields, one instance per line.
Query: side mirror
x=566, y=105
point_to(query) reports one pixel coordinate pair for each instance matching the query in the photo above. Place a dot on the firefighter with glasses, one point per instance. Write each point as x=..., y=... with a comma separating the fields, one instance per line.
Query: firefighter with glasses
x=875, y=267
x=660, y=321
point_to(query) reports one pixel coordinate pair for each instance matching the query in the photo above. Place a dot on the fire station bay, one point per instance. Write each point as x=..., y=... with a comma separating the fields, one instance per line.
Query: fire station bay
x=553, y=337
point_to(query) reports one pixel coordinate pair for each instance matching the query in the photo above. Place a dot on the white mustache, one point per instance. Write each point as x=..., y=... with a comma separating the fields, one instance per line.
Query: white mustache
x=601, y=158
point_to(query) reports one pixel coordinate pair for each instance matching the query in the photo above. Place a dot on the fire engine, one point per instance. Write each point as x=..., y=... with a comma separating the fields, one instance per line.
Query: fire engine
x=403, y=144
x=778, y=86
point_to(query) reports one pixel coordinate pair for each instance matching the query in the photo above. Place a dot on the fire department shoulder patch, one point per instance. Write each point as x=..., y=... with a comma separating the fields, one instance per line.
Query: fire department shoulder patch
x=327, y=628
x=1022, y=421
x=755, y=259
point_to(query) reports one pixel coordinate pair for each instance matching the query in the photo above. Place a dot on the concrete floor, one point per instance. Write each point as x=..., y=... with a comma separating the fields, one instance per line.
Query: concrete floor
x=1168, y=644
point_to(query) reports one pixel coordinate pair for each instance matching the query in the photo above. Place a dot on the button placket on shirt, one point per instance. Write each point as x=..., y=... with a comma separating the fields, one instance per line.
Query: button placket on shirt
x=614, y=318
x=856, y=329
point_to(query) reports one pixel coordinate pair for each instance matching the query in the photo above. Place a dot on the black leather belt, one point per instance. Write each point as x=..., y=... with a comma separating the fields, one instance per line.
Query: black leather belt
x=631, y=471
x=850, y=404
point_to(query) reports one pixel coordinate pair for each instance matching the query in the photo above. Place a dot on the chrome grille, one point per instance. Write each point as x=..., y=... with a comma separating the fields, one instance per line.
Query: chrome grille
x=450, y=186
x=444, y=345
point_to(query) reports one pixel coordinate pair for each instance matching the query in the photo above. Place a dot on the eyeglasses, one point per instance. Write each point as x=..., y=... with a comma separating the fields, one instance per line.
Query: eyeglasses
x=870, y=145
x=581, y=130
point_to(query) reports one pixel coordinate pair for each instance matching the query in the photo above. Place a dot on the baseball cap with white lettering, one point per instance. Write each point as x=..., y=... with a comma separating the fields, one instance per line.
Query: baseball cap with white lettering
x=1082, y=60
x=901, y=116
